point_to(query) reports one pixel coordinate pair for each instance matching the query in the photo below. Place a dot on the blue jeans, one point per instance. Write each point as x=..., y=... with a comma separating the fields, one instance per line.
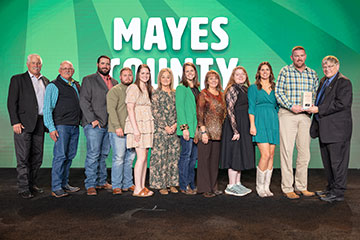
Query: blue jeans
x=97, y=150
x=187, y=161
x=122, y=160
x=64, y=152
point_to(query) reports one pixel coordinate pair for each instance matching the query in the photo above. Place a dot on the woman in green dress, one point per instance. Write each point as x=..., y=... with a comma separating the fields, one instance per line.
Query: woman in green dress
x=164, y=173
x=264, y=125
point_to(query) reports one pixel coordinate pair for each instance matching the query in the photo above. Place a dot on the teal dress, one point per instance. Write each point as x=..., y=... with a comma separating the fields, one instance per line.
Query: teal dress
x=265, y=108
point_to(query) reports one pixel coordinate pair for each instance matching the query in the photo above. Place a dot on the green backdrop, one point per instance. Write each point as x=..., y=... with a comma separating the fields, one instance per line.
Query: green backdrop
x=81, y=30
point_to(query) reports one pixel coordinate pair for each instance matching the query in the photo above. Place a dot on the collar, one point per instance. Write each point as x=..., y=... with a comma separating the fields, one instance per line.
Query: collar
x=107, y=78
x=294, y=68
x=67, y=81
x=332, y=78
x=33, y=76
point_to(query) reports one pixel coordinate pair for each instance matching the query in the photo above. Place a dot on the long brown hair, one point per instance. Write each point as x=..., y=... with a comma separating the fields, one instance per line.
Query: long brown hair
x=195, y=81
x=258, y=78
x=208, y=74
x=162, y=71
x=148, y=83
x=232, y=78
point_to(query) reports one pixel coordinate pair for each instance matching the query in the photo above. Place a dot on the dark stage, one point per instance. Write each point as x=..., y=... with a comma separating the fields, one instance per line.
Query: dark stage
x=177, y=216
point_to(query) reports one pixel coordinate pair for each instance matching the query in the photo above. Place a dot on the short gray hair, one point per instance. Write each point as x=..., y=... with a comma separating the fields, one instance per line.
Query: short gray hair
x=62, y=63
x=33, y=55
x=331, y=59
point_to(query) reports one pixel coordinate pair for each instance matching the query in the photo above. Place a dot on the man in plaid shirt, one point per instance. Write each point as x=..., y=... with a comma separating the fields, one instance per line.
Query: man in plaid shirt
x=295, y=122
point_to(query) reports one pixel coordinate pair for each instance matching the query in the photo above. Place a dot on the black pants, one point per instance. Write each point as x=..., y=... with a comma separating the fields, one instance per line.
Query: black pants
x=29, y=154
x=335, y=157
x=208, y=166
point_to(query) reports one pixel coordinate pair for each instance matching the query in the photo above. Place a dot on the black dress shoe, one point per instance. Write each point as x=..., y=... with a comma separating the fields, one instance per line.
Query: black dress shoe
x=36, y=189
x=322, y=193
x=26, y=195
x=332, y=198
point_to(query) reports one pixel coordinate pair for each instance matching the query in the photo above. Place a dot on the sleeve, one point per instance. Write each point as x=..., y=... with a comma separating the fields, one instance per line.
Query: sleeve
x=180, y=105
x=315, y=87
x=200, y=109
x=231, y=98
x=252, y=99
x=50, y=99
x=13, y=100
x=132, y=94
x=343, y=99
x=85, y=100
x=111, y=104
x=156, y=111
x=280, y=91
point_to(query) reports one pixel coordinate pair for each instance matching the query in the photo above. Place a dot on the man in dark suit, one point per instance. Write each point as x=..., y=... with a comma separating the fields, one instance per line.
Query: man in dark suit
x=25, y=106
x=95, y=119
x=332, y=124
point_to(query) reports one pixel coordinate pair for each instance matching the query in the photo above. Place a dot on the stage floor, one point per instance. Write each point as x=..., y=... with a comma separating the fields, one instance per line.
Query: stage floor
x=177, y=216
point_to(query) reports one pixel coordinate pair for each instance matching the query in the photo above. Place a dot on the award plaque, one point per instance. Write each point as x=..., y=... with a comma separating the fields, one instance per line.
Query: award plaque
x=306, y=99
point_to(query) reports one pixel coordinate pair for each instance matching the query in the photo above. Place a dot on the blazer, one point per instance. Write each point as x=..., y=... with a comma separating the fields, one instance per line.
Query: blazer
x=335, y=121
x=93, y=99
x=185, y=109
x=22, y=103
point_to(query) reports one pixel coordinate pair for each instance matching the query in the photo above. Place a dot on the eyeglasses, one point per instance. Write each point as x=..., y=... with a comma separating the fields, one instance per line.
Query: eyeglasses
x=67, y=69
x=328, y=67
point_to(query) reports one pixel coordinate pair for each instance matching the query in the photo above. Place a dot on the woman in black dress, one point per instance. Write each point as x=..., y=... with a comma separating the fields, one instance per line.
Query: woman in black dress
x=237, y=149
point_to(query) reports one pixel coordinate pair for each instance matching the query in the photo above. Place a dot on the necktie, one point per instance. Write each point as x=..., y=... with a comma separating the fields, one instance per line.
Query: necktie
x=321, y=93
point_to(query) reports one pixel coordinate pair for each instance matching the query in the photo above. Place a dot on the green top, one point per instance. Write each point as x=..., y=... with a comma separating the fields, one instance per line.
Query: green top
x=185, y=109
x=116, y=107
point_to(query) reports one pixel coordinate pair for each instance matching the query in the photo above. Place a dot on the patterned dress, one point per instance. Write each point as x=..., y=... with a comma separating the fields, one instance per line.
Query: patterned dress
x=166, y=149
x=143, y=116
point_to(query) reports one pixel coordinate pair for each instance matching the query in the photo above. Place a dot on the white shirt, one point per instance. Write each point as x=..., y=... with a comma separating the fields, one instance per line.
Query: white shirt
x=39, y=88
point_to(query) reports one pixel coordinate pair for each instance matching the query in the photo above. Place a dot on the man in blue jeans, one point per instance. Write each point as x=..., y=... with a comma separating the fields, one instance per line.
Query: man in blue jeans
x=122, y=160
x=95, y=119
x=62, y=116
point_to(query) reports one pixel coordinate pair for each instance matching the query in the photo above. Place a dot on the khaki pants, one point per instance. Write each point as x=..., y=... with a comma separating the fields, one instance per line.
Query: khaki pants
x=294, y=128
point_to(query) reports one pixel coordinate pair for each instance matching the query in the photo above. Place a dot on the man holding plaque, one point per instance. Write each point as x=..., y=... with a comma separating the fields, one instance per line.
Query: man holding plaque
x=294, y=85
x=332, y=123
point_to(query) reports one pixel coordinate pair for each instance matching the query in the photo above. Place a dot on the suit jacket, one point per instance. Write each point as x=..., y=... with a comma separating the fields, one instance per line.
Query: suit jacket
x=335, y=121
x=93, y=99
x=22, y=104
x=185, y=109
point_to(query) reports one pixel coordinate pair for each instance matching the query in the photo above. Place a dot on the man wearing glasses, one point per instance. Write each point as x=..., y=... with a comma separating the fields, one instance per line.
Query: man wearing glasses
x=332, y=123
x=62, y=116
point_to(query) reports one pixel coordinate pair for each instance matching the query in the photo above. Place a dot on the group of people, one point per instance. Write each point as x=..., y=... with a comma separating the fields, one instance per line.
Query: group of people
x=182, y=127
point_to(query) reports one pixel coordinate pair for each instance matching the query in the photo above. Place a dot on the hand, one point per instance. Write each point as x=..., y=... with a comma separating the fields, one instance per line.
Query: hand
x=236, y=137
x=297, y=109
x=95, y=123
x=253, y=130
x=186, y=135
x=137, y=136
x=168, y=130
x=18, y=128
x=54, y=135
x=313, y=109
x=119, y=132
x=204, y=138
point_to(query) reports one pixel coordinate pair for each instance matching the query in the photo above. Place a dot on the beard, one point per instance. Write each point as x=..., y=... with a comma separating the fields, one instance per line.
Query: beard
x=102, y=72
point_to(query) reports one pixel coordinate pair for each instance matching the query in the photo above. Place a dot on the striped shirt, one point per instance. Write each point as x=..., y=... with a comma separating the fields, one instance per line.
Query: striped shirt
x=291, y=83
x=50, y=100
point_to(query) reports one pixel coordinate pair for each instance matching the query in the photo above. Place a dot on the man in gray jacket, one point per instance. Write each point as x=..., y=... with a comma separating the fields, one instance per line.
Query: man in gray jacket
x=95, y=118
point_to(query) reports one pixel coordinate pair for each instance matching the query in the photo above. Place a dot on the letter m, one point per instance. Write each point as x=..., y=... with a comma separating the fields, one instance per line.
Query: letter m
x=121, y=31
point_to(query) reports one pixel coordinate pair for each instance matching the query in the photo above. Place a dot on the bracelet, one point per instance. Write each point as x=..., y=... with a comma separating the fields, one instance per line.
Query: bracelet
x=184, y=127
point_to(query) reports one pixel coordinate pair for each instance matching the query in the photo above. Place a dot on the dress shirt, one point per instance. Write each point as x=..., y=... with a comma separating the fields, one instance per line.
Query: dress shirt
x=291, y=83
x=39, y=88
x=107, y=80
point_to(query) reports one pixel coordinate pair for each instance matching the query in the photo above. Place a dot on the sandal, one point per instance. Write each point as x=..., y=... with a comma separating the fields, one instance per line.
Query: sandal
x=163, y=192
x=143, y=193
x=173, y=190
x=148, y=190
